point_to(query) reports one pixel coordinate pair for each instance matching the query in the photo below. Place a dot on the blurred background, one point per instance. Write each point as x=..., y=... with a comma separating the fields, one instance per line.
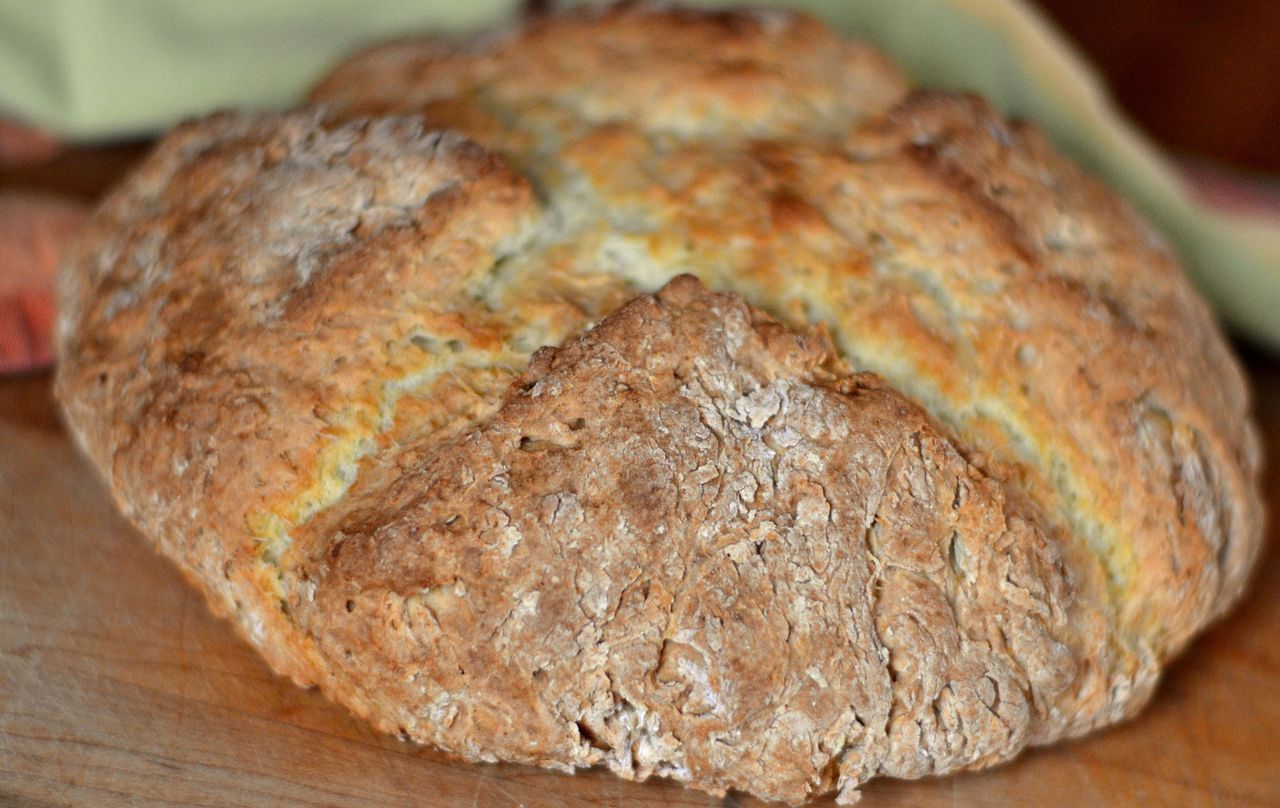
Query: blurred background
x=1203, y=78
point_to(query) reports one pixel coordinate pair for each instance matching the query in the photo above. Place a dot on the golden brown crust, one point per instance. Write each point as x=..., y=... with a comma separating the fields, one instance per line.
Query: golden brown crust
x=683, y=547
x=689, y=541
x=246, y=289
x=664, y=71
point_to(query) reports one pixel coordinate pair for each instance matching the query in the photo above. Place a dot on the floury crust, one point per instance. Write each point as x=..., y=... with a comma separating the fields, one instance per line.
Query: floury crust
x=879, y=440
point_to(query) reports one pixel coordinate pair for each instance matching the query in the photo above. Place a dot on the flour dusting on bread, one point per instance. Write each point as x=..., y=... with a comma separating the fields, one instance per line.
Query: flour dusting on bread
x=667, y=390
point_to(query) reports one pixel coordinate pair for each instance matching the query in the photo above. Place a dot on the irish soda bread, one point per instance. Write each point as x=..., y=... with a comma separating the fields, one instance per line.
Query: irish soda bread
x=876, y=439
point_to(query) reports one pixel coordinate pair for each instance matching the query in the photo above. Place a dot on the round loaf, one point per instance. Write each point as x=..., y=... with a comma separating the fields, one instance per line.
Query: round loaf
x=875, y=438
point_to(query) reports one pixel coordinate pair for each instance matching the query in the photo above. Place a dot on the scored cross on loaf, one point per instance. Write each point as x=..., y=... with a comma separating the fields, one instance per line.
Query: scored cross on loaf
x=874, y=438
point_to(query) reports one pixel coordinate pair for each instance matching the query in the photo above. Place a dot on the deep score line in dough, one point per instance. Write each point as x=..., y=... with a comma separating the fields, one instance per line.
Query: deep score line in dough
x=875, y=438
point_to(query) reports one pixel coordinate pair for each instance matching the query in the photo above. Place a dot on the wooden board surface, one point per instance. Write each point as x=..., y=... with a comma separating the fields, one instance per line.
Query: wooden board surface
x=118, y=688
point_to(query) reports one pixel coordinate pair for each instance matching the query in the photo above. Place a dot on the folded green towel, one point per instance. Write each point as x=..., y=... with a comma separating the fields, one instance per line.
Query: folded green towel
x=92, y=69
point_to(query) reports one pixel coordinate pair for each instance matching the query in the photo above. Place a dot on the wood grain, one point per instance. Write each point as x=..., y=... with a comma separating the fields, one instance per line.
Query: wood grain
x=118, y=688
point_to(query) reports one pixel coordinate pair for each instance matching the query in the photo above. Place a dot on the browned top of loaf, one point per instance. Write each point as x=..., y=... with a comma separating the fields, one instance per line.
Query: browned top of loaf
x=286, y=338
x=957, y=255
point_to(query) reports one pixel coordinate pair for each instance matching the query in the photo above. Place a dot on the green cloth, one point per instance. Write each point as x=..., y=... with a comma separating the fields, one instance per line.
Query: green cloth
x=112, y=68
x=92, y=69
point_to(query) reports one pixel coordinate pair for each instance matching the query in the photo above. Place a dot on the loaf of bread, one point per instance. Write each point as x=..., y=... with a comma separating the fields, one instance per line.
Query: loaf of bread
x=672, y=391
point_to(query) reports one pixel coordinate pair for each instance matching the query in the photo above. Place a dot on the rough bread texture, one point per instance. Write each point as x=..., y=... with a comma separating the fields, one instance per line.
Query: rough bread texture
x=878, y=440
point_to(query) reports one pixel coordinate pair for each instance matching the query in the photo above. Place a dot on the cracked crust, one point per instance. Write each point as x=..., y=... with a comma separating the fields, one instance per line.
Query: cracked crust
x=685, y=547
x=251, y=289
x=876, y=530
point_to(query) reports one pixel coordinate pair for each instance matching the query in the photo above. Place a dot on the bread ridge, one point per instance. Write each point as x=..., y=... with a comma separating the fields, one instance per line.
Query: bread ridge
x=1094, y=280
x=263, y=399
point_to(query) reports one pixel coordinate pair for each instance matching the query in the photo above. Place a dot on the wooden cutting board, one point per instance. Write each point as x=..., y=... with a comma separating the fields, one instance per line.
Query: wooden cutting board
x=118, y=688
